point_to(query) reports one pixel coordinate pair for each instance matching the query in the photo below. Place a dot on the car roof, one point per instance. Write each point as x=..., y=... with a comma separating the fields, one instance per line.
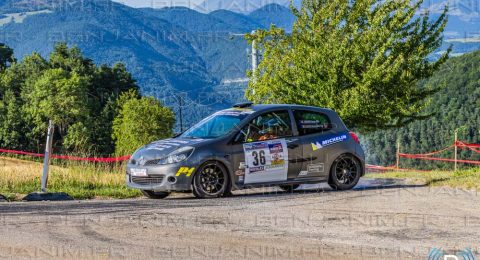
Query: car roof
x=256, y=109
x=263, y=107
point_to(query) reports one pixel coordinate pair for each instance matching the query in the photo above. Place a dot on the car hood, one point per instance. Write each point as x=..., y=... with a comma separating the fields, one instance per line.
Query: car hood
x=162, y=148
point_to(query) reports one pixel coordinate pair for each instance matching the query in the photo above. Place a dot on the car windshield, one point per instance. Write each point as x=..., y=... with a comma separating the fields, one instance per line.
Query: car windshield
x=216, y=125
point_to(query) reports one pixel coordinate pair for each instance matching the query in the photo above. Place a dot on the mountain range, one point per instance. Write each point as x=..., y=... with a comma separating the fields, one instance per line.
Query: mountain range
x=173, y=52
x=182, y=56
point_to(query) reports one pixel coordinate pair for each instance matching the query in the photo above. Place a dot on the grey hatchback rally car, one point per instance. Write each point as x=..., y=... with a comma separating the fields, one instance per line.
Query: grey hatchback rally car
x=250, y=146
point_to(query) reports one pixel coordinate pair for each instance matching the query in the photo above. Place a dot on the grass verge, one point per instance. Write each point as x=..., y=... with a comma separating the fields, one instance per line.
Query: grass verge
x=467, y=179
x=81, y=181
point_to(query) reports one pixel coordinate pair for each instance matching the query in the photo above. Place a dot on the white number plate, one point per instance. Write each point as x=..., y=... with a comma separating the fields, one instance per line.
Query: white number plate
x=139, y=172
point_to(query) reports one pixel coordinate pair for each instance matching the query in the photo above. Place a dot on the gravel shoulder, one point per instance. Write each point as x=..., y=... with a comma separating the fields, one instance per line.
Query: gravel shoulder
x=381, y=218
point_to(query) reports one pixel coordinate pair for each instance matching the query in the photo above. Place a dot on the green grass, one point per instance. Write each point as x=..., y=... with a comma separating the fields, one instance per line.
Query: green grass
x=79, y=180
x=89, y=181
x=468, y=179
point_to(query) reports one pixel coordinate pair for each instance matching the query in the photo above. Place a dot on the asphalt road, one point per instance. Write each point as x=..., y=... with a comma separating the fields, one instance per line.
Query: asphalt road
x=380, y=219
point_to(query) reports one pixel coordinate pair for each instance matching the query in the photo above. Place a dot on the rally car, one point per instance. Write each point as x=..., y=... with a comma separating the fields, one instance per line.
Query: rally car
x=250, y=146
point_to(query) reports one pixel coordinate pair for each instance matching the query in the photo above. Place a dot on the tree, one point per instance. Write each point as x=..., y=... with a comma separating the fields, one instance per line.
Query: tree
x=361, y=58
x=80, y=97
x=139, y=122
x=58, y=95
x=11, y=122
x=6, y=56
x=457, y=106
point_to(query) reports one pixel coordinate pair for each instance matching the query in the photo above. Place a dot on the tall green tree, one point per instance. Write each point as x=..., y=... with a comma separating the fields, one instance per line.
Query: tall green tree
x=6, y=56
x=68, y=88
x=58, y=95
x=362, y=58
x=139, y=122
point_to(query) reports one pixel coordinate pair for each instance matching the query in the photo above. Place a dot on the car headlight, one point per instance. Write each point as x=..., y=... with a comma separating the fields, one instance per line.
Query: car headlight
x=177, y=156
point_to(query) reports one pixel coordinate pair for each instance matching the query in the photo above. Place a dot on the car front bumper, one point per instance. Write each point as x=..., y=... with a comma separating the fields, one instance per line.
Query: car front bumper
x=161, y=178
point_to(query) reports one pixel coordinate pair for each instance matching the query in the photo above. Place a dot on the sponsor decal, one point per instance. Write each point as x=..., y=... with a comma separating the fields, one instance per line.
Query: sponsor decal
x=256, y=169
x=321, y=144
x=235, y=112
x=240, y=172
x=242, y=166
x=167, y=144
x=303, y=173
x=276, y=151
x=266, y=161
x=185, y=170
x=316, y=168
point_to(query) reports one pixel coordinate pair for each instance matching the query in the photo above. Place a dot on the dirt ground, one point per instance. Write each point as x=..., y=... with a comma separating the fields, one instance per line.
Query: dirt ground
x=380, y=219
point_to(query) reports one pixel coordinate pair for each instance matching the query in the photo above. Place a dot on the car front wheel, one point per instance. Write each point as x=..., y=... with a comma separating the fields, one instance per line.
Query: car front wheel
x=345, y=172
x=211, y=181
x=155, y=195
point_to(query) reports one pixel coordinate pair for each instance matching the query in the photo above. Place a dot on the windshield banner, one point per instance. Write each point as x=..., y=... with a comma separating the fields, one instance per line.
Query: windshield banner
x=266, y=161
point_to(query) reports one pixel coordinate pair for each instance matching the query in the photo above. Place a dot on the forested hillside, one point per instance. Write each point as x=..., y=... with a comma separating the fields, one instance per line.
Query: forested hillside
x=180, y=56
x=456, y=105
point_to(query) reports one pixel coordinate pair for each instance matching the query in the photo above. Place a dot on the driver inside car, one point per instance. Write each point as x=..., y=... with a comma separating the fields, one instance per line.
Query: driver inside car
x=269, y=135
x=271, y=130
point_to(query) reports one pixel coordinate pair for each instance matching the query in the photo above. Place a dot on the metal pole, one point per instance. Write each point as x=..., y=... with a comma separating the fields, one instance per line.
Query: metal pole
x=254, y=60
x=48, y=151
x=398, y=154
x=456, y=149
x=254, y=56
x=180, y=113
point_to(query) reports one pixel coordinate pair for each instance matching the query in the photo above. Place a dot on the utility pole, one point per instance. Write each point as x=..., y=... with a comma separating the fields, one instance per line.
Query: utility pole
x=48, y=152
x=254, y=56
x=456, y=148
x=398, y=154
x=180, y=114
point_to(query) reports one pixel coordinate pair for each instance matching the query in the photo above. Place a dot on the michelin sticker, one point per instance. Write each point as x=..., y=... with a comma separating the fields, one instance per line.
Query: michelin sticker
x=266, y=161
x=321, y=144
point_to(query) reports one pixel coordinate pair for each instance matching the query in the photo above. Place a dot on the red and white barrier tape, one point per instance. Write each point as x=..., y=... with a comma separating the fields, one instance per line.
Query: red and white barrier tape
x=71, y=158
x=412, y=156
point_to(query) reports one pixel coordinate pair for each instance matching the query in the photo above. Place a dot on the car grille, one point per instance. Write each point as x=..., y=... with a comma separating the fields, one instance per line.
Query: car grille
x=147, y=180
x=152, y=162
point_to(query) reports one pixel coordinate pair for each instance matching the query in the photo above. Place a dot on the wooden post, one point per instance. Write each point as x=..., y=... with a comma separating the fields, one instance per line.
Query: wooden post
x=48, y=152
x=398, y=154
x=456, y=149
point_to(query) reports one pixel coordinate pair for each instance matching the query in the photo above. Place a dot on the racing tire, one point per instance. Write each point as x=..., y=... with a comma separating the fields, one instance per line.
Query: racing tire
x=289, y=188
x=211, y=181
x=155, y=195
x=345, y=172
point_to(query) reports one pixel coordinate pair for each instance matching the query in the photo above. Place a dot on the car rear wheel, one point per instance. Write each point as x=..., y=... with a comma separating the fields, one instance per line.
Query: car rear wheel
x=211, y=181
x=155, y=195
x=289, y=188
x=345, y=172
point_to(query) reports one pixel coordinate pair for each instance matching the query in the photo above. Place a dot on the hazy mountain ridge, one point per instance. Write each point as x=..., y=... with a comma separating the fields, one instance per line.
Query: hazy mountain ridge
x=168, y=50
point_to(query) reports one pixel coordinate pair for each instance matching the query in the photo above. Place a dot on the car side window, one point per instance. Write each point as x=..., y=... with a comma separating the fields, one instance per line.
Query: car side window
x=268, y=126
x=309, y=122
